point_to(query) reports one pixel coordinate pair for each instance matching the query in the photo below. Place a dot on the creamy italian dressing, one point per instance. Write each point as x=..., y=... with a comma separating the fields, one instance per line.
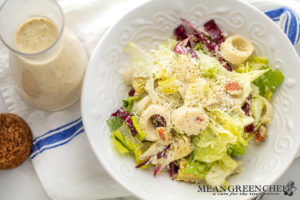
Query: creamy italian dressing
x=50, y=80
x=36, y=34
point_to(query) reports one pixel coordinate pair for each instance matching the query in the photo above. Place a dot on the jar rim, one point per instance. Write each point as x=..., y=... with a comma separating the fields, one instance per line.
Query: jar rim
x=61, y=30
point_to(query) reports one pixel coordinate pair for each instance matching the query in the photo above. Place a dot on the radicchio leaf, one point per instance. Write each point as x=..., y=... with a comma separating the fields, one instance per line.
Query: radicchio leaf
x=146, y=162
x=213, y=48
x=192, y=26
x=180, y=33
x=158, y=121
x=184, y=47
x=163, y=153
x=157, y=169
x=210, y=45
x=246, y=105
x=173, y=169
x=127, y=119
x=214, y=31
x=131, y=92
x=249, y=128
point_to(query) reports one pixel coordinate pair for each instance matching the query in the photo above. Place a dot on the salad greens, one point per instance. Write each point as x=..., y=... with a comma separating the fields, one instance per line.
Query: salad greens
x=191, y=111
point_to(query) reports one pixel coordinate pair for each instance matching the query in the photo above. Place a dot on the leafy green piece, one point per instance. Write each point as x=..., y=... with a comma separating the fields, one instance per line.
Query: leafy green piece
x=142, y=62
x=208, y=146
x=220, y=171
x=169, y=86
x=255, y=63
x=119, y=145
x=114, y=123
x=211, y=144
x=201, y=47
x=268, y=82
x=236, y=149
x=256, y=108
x=197, y=168
x=140, y=134
x=234, y=125
x=245, y=79
x=128, y=103
x=127, y=139
x=125, y=142
x=211, y=72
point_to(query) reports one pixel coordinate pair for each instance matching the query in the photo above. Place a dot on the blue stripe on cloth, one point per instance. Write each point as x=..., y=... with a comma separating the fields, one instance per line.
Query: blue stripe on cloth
x=57, y=145
x=61, y=127
x=291, y=24
x=55, y=138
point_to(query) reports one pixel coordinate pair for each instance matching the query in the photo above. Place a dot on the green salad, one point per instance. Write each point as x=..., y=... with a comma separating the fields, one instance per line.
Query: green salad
x=195, y=103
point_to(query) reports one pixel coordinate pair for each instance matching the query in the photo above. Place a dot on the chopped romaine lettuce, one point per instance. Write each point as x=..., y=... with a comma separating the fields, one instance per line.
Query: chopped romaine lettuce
x=256, y=108
x=169, y=86
x=140, y=134
x=211, y=144
x=255, y=63
x=220, y=171
x=210, y=72
x=124, y=135
x=125, y=142
x=245, y=79
x=119, y=145
x=114, y=123
x=201, y=47
x=142, y=61
x=128, y=103
x=138, y=83
x=137, y=154
x=261, y=110
x=208, y=146
x=268, y=82
x=236, y=149
x=197, y=168
x=234, y=125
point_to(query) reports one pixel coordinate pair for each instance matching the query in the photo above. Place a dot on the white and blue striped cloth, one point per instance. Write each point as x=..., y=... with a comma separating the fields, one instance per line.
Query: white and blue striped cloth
x=55, y=138
x=287, y=21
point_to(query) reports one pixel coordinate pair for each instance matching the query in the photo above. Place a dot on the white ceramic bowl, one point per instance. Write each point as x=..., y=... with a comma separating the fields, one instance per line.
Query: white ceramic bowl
x=148, y=26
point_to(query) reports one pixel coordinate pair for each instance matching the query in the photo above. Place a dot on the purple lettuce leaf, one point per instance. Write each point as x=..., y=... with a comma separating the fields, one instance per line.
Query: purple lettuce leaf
x=212, y=46
x=246, y=105
x=158, y=121
x=184, y=47
x=163, y=153
x=157, y=169
x=180, y=33
x=173, y=169
x=214, y=31
x=127, y=119
x=249, y=128
x=131, y=92
x=146, y=162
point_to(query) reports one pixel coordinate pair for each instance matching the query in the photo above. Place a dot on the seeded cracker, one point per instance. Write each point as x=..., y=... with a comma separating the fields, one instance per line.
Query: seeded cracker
x=15, y=140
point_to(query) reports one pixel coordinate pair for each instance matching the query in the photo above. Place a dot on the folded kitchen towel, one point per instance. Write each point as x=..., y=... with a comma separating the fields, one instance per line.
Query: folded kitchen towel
x=61, y=155
x=287, y=21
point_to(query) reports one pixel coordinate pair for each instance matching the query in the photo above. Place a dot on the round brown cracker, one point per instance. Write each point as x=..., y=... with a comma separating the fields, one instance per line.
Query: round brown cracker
x=15, y=140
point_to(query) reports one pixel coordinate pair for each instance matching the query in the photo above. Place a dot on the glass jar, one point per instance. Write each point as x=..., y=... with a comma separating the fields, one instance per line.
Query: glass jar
x=49, y=78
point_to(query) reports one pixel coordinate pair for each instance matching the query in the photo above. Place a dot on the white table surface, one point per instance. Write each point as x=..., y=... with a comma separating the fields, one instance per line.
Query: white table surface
x=22, y=182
